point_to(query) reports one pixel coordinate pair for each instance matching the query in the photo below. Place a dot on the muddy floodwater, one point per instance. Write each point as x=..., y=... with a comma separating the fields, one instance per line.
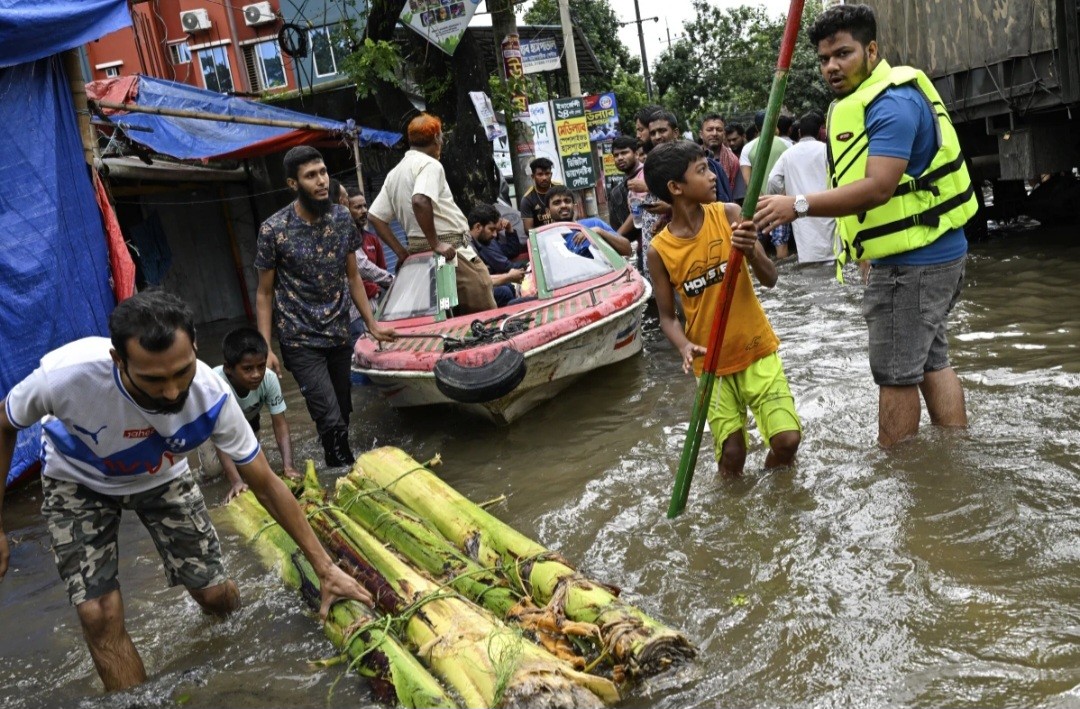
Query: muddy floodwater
x=944, y=573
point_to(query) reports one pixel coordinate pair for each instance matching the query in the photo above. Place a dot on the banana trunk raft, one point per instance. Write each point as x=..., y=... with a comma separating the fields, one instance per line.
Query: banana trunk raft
x=468, y=612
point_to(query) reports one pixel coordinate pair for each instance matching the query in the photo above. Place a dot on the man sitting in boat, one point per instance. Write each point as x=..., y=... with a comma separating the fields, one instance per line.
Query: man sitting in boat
x=562, y=208
x=483, y=225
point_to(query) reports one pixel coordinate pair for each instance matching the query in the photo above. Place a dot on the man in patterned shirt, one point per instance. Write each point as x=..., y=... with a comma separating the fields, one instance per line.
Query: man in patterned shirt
x=307, y=276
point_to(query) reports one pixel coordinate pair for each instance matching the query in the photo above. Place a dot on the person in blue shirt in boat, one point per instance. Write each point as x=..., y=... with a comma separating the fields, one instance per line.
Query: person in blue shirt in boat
x=483, y=227
x=561, y=206
x=244, y=351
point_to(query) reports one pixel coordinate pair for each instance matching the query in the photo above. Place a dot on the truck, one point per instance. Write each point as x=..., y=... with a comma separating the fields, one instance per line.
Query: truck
x=1008, y=72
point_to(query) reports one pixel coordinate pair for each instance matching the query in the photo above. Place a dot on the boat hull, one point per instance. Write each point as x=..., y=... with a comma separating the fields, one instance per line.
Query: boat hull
x=550, y=368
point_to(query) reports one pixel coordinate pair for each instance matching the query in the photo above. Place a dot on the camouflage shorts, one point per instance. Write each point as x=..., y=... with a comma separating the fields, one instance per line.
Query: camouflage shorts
x=84, y=525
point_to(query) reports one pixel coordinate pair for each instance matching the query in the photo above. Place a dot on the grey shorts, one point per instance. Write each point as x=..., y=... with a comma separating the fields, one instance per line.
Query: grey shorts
x=84, y=524
x=907, y=314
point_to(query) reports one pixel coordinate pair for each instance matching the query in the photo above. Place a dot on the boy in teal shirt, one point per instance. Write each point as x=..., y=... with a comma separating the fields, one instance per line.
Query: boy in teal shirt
x=244, y=351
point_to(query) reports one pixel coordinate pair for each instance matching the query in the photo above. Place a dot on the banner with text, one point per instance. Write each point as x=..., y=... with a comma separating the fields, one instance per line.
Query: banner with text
x=441, y=22
x=540, y=54
x=544, y=138
x=602, y=115
x=572, y=132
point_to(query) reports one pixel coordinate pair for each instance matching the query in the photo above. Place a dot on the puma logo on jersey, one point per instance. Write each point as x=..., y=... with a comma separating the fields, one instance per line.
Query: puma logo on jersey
x=93, y=435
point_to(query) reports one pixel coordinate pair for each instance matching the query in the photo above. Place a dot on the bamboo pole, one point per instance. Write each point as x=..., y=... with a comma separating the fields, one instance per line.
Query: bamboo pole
x=395, y=675
x=201, y=115
x=642, y=645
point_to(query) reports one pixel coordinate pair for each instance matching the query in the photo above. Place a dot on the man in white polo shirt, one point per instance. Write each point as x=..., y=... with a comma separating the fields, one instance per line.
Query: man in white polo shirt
x=119, y=418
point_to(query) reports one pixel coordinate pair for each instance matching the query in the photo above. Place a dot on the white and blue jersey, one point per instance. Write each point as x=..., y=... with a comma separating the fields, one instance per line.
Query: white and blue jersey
x=96, y=435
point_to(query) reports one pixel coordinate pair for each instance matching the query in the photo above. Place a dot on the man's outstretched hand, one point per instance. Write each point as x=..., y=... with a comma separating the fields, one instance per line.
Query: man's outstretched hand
x=337, y=585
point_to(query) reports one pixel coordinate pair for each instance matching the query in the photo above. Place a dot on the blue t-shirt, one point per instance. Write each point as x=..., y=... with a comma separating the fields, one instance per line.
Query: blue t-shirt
x=901, y=125
x=595, y=223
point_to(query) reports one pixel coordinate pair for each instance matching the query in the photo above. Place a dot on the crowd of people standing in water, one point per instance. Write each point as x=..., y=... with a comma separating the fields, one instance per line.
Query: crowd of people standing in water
x=120, y=413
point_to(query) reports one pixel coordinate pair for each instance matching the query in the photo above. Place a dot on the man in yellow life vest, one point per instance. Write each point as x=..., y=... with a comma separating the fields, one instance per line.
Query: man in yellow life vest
x=901, y=195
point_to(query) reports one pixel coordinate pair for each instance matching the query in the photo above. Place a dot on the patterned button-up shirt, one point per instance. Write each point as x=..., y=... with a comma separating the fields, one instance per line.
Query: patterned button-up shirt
x=311, y=294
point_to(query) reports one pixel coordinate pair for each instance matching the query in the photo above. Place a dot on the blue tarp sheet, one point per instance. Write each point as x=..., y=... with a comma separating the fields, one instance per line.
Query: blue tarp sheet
x=35, y=29
x=54, y=268
x=198, y=139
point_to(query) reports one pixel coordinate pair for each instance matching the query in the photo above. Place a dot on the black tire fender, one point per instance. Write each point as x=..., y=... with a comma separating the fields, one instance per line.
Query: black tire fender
x=478, y=385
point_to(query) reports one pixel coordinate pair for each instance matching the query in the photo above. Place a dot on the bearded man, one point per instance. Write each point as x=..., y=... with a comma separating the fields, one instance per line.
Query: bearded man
x=307, y=276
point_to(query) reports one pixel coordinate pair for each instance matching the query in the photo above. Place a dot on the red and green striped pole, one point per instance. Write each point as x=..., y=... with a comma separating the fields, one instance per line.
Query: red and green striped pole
x=735, y=261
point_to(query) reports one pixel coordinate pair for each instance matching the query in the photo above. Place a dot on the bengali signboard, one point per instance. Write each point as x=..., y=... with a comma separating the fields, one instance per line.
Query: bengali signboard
x=513, y=69
x=602, y=115
x=572, y=133
x=486, y=113
x=441, y=22
x=540, y=54
x=544, y=138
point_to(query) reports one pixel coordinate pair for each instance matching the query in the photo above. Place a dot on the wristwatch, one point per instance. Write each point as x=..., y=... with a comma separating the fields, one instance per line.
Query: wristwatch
x=802, y=207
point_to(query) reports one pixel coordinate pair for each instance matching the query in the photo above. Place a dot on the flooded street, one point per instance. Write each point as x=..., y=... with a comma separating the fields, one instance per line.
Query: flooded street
x=942, y=573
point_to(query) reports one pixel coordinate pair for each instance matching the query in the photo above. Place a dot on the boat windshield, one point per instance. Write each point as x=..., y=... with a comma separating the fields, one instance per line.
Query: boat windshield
x=566, y=263
x=413, y=293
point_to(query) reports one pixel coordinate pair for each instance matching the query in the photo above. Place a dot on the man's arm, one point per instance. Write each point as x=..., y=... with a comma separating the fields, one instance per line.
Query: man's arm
x=228, y=467
x=882, y=177
x=284, y=444
x=371, y=272
x=424, y=211
x=620, y=243
x=272, y=494
x=386, y=235
x=776, y=177
x=8, y=434
x=514, y=275
x=665, y=307
x=627, y=226
x=264, y=306
x=360, y=299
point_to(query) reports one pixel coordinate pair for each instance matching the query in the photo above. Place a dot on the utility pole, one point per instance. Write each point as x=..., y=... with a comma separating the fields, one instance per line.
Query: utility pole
x=519, y=133
x=644, y=59
x=575, y=84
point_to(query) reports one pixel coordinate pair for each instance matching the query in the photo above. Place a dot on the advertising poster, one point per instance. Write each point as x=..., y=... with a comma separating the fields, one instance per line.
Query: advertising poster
x=602, y=115
x=544, y=138
x=572, y=132
x=513, y=69
x=612, y=176
x=486, y=113
x=540, y=54
x=441, y=22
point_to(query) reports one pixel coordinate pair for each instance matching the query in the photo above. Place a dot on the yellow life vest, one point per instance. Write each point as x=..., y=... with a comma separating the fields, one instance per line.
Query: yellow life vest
x=922, y=208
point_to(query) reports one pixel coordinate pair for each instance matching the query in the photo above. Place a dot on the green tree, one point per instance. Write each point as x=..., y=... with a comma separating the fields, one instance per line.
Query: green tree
x=620, y=70
x=726, y=60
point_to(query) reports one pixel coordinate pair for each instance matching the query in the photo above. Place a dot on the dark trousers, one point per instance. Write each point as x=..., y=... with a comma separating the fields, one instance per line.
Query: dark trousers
x=323, y=376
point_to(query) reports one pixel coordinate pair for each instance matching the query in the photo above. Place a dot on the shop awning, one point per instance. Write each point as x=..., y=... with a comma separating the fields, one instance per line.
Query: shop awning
x=181, y=121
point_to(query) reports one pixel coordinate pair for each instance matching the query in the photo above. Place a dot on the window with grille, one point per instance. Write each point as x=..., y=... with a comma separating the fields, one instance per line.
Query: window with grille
x=216, y=72
x=179, y=53
x=323, y=52
x=112, y=72
x=264, y=65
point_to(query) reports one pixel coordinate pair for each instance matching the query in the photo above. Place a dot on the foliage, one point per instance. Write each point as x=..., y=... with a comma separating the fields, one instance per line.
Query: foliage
x=726, y=60
x=373, y=61
x=620, y=71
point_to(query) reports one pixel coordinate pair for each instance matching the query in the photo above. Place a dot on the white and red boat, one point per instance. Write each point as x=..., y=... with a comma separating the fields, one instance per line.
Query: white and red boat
x=586, y=314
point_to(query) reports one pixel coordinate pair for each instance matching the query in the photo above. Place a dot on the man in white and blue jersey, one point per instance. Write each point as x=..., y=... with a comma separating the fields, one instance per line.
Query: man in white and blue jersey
x=118, y=419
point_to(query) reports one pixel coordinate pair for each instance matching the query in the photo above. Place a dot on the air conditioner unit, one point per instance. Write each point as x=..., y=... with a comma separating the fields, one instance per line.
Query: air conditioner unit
x=195, y=20
x=259, y=13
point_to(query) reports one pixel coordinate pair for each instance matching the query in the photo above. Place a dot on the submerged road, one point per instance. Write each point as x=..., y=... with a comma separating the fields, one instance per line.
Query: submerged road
x=942, y=573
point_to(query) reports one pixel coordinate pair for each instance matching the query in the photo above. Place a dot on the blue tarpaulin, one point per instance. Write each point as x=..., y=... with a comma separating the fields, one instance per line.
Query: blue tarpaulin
x=54, y=267
x=35, y=29
x=54, y=270
x=200, y=139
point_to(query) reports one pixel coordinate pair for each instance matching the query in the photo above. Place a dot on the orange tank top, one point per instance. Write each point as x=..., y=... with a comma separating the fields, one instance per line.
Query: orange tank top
x=696, y=267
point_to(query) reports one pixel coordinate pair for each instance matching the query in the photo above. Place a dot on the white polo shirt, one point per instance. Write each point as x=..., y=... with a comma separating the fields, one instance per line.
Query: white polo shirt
x=96, y=435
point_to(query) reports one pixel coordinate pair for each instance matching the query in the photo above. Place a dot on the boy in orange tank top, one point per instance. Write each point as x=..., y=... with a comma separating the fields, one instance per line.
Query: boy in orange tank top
x=689, y=258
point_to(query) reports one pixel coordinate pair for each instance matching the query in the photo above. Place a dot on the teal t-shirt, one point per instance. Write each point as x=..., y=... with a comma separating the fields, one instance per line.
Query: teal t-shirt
x=268, y=394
